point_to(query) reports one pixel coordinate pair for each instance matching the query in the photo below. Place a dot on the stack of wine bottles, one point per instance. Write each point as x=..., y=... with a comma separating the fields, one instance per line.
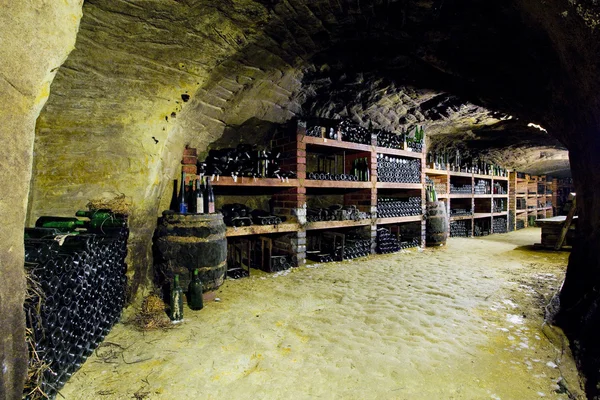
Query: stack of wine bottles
x=391, y=140
x=460, y=229
x=351, y=132
x=521, y=203
x=464, y=189
x=520, y=224
x=336, y=213
x=409, y=242
x=392, y=207
x=386, y=242
x=241, y=215
x=318, y=256
x=460, y=212
x=498, y=205
x=482, y=187
x=354, y=246
x=398, y=169
x=321, y=132
x=499, y=225
x=482, y=228
x=245, y=160
x=83, y=286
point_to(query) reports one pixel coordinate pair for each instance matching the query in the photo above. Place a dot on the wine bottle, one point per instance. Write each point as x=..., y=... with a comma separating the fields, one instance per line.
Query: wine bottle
x=176, y=301
x=182, y=203
x=195, y=292
x=191, y=198
x=210, y=199
x=199, y=198
x=61, y=223
x=174, y=206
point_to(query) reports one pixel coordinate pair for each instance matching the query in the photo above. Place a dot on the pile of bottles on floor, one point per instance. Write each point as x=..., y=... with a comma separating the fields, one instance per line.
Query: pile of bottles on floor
x=194, y=297
x=499, y=225
x=335, y=246
x=456, y=160
x=245, y=160
x=386, y=242
x=336, y=212
x=78, y=285
x=389, y=207
x=520, y=224
x=329, y=169
x=460, y=229
x=241, y=215
x=482, y=228
x=398, y=169
x=411, y=139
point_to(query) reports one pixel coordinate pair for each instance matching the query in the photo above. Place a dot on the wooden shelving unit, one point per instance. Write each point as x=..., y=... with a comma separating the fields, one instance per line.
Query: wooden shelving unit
x=537, y=193
x=481, y=205
x=289, y=197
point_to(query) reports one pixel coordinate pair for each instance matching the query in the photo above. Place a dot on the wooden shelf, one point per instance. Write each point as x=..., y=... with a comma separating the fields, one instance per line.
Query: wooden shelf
x=310, y=226
x=521, y=211
x=336, y=144
x=461, y=174
x=261, y=229
x=500, y=214
x=439, y=172
x=500, y=178
x=482, y=196
x=482, y=176
x=399, y=220
x=394, y=185
x=460, y=217
x=262, y=182
x=500, y=195
x=460, y=195
x=312, y=183
x=396, y=152
x=482, y=215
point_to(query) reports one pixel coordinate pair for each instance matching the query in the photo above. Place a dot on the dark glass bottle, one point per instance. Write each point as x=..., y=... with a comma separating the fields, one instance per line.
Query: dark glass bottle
x=210, y=199
x=191, y=198
x=174, y=206
x=182, y=203
x=61, y=223
x=199, y=198
x=195, y=292
x=176, y=301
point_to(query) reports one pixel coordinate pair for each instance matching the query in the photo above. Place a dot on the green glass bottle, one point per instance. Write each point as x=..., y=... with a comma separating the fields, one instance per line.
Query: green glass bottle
x=176, y=301
x=64, y=224
x=195, y=292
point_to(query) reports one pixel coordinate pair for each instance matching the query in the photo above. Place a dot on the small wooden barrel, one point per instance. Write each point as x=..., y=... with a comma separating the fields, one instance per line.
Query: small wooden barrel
x=185, y=242
x=437, y=224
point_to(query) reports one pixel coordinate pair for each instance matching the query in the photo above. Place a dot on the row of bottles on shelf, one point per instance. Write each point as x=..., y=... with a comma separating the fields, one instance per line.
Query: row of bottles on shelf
x=460, y=163
x=389, y=207
x=194, y=297
x=245, y=160
x=195, y=197
x=238, y=215
x=411, y=139
x=328, y=169
x=336, y=212
x=482, y=186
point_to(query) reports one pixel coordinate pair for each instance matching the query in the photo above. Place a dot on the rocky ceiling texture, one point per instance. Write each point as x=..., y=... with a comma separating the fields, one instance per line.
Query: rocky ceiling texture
x=148, y=77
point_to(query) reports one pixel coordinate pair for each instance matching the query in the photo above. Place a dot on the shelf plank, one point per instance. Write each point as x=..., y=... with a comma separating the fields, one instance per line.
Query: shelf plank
x=500, y=214
x=460, y=195
x=262, y=182
x=396, y=152
x=310, y=226
x=521, y=211
x=463, y=174
x=261, y=229
x=312, y=183
x=399, y=220
x=482, y=196
x=460, y=217
x=431, y=171
x=482, y=176
x=394, y=185
x=337, y=144
x=500, y=195
x=500, y=178
x=482, y=215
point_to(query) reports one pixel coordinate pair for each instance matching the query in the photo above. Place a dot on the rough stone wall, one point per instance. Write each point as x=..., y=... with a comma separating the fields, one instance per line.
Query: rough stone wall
x=36, y=38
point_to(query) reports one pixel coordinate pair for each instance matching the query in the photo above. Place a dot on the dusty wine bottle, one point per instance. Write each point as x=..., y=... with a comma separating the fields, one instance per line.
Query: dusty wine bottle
x=182, y=203
x=176, y=301
x=174, y=206
x=191, y=198
x=199, y=198
x=61, y=223
x=195, y=292
x=210, y=199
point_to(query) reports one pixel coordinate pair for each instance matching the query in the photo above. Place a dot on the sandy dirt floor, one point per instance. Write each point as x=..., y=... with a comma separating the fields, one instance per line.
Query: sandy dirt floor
x=463, y=321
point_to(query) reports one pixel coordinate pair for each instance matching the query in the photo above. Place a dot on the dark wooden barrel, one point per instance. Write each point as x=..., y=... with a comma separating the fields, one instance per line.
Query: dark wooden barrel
x=437, y=224
x=185, y=242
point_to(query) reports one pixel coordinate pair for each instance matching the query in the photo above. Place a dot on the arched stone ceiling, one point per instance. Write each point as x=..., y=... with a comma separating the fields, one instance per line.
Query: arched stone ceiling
x=119, y=113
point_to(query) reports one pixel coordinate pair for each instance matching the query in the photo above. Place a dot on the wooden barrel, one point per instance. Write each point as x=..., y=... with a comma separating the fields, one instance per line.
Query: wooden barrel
x=185, y=242
x=437, y=224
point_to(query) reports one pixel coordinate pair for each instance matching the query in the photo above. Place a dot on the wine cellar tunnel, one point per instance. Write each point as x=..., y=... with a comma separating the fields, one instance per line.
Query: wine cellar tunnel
x=103, y=96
